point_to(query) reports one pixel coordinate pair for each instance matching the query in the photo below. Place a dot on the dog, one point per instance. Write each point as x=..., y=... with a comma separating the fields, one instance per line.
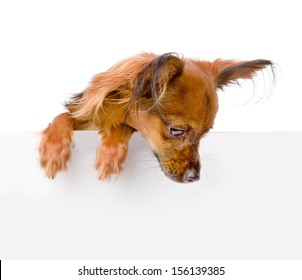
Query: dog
x=172, y=101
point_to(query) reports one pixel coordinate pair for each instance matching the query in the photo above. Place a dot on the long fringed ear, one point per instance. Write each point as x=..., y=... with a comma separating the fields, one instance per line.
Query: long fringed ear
x=152, y=82
x=228, y=71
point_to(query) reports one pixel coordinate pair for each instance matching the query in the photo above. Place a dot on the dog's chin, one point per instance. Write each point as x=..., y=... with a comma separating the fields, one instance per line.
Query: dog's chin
x=175, y=178
x=183, y=177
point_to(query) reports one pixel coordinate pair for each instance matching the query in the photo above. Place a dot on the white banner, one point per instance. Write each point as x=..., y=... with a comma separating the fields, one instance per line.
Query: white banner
x=152, y=269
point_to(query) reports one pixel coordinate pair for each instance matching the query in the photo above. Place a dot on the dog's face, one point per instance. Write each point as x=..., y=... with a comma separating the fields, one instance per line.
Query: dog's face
x=178, y=107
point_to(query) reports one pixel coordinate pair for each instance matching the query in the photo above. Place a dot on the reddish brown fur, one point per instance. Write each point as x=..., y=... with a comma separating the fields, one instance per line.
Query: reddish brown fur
x=171, y=101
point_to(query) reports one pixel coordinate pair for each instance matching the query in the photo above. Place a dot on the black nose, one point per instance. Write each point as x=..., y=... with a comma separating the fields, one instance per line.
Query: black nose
x=191, y=175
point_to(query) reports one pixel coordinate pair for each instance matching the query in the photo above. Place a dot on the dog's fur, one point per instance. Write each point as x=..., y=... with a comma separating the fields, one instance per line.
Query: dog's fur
x=172, y=101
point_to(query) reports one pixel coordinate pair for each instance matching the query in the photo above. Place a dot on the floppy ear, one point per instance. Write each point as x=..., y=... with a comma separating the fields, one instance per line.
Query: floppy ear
x=229, y=71
x=153, y=80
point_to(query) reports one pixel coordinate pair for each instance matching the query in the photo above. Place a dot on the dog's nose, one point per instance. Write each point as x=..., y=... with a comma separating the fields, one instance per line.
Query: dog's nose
x=191, y=175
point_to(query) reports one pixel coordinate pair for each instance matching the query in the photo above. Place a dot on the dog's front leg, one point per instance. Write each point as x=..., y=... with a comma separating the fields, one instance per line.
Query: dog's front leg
x=55, y=144
x=112, y=151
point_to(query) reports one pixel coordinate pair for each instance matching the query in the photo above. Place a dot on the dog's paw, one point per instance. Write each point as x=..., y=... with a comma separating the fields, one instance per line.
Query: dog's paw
x=54, y=155
x=109, y=161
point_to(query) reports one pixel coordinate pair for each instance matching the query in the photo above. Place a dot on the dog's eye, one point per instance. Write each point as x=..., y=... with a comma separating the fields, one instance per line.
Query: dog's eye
x=176, y=132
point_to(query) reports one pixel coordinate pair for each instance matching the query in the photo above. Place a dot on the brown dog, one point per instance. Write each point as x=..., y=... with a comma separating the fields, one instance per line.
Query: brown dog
x=172, y=101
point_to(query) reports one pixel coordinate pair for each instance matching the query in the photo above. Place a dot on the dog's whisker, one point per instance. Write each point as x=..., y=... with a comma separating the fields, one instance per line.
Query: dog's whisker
x=141, y=161
x=209, y=159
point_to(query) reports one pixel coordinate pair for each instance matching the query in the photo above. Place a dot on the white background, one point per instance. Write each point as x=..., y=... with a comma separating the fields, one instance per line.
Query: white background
x=51, y=49
x=247, y=203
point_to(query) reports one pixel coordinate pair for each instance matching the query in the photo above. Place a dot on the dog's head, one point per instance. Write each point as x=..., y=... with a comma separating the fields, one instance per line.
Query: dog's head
x=174, y=104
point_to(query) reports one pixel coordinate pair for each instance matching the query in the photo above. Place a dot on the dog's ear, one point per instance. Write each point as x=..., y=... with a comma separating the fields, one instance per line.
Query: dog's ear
x=151, y=83
x=228, y=71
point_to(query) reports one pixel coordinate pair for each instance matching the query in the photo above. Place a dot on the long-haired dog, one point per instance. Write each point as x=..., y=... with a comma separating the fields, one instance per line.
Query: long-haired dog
x=170, y=100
